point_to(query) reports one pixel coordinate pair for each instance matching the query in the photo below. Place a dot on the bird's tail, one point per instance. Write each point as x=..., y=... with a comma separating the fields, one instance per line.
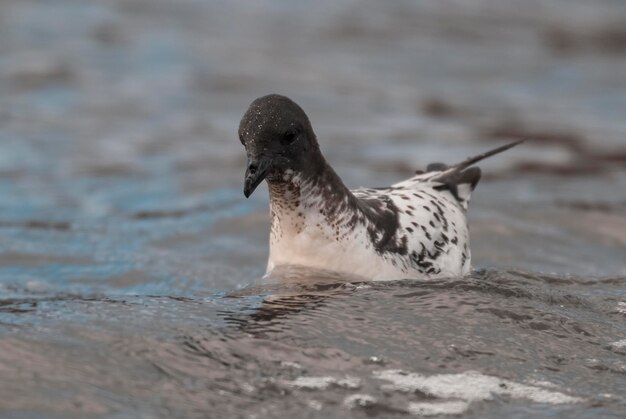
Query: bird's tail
x=461, y=179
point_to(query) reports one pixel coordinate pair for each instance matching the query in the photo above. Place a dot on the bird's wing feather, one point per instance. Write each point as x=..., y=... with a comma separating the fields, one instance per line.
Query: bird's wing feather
x=429, y=233
x=461, y=179
x=424, y=225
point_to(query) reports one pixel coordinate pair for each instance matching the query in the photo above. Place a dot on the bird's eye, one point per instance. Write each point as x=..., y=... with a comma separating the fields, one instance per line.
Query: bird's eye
x=290, y=137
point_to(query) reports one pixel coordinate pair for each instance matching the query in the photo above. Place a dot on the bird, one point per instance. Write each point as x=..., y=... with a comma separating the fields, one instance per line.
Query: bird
x=414, y=229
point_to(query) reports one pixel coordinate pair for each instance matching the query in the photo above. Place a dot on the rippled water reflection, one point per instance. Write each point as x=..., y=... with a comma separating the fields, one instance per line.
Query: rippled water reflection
x=131, y=265
x=493, y=344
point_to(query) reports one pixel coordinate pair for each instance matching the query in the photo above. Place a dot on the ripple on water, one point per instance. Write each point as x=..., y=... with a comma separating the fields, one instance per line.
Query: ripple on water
x=389, y=348
x=121, y=215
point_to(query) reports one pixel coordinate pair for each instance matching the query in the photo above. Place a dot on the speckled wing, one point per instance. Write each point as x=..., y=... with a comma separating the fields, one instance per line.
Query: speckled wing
x=431, y=224
x=429, y=233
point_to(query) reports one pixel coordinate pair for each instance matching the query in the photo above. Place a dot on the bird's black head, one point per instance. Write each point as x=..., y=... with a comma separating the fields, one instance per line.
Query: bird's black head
x=278, y=139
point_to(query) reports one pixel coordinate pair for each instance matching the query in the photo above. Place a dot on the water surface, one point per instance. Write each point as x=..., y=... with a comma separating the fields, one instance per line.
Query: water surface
x=131, y=265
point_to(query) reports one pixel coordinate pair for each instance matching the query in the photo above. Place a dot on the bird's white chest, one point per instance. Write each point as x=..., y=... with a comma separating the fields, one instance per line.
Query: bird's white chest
x=307, y=239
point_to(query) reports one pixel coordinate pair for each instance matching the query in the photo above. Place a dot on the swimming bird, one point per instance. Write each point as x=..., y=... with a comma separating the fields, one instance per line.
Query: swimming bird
x=414, y=229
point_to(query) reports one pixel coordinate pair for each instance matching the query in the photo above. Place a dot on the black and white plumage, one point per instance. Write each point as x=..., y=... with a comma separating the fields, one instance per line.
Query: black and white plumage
x=413, y=229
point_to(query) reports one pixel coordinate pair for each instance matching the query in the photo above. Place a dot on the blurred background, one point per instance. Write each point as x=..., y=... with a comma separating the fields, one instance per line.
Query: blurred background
x=120, y=165
x=121, y=172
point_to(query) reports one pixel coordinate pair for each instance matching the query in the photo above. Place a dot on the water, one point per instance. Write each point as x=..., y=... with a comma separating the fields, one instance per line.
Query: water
x=131, y=264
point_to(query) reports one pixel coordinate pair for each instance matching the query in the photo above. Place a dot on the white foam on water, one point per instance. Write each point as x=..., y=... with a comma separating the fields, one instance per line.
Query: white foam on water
x=36, y=286
x=619, y=344
x=621, y=307
x=322, y=383
x=541, y=383
x=376, y=360
x=470, y=386
x=248, y=388
x=359, y=400
x=289, y=364
x=454, y=407
x=315, y=405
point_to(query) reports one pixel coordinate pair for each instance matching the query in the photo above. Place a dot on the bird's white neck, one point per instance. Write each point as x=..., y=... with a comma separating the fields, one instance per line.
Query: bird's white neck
x=307, y=211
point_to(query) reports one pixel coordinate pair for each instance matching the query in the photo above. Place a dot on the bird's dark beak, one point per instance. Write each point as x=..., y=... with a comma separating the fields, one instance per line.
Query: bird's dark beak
x=255, y=173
